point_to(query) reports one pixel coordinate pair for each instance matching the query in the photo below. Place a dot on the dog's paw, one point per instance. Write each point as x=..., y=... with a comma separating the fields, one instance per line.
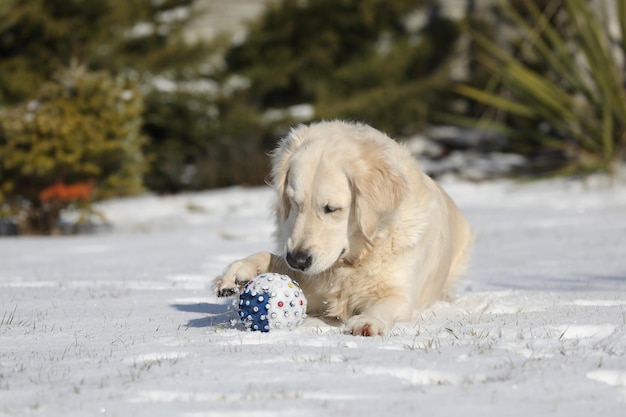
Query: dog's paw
x=235, y=277
x=362, y=325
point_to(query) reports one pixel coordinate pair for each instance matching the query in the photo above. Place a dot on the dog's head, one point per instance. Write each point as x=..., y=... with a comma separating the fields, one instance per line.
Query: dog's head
x=337, y=183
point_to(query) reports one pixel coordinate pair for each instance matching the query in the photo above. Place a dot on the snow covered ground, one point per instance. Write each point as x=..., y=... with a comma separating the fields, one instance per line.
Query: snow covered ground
x=124, y=324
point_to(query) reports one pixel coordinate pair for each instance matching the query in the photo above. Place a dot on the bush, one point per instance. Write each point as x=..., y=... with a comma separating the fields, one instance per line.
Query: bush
x=559, y=82
x=40, y=37
x=350, y=59
x=345, y=58
x=201, y=140
x=83, y=127
x=141, y=40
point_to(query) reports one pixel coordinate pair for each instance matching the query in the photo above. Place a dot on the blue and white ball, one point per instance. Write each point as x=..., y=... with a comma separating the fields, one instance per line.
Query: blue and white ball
x=272, y=301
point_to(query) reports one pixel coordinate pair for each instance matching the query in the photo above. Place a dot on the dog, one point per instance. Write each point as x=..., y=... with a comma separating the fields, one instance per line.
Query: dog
x=369, y=237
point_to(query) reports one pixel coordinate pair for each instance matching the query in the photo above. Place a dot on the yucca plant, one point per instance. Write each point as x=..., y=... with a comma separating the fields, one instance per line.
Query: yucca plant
x=576, y=98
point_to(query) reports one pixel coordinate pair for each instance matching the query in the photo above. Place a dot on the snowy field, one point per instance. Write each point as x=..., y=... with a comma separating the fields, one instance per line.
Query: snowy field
x=124, y=323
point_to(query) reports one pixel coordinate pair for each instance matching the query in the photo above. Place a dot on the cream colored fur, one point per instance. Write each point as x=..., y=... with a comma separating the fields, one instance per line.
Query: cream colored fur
x=382, y=238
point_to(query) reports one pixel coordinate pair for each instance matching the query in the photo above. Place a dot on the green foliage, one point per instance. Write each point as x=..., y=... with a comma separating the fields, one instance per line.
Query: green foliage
x=37, y=37
x=201, y=142
x=351, y=59
x=356, y=59
x=82, y=126
x=40, y=37
x=564, y=79
x=139, y=40
x=295, y=44
x=348, y=58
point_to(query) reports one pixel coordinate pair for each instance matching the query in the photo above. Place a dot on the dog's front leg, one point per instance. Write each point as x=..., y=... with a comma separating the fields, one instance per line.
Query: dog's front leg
x=379, y=318
x=240, y=272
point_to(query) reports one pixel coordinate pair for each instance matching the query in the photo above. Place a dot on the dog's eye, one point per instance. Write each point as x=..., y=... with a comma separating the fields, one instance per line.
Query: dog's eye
x=328, y=209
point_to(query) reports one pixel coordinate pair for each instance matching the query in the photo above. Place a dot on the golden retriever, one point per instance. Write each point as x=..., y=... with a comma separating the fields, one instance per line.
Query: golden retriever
x=369, y=237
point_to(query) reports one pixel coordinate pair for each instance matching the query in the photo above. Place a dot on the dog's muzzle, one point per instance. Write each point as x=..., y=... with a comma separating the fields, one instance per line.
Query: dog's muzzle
x=299, y=260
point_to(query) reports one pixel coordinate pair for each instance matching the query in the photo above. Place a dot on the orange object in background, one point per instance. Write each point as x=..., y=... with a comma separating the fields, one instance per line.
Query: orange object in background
x=67, y=192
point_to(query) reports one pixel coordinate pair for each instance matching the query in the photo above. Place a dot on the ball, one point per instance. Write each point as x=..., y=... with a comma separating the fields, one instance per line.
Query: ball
x=272, y=301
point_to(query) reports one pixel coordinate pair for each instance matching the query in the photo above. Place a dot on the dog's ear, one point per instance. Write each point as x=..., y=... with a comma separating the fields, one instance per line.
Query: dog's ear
x=281, y=160
x=379, y=188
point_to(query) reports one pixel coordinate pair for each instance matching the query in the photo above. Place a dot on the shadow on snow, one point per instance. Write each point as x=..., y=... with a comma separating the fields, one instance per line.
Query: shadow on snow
x=214, y=315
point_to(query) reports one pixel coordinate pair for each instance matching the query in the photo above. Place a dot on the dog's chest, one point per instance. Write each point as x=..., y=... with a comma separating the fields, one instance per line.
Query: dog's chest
x=342, y=293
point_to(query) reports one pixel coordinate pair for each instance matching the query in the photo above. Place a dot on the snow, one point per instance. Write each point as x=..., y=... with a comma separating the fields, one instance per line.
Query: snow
x=124, y=323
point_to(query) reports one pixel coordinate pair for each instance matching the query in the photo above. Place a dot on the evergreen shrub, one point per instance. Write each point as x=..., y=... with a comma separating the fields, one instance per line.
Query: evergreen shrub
x=82, y=127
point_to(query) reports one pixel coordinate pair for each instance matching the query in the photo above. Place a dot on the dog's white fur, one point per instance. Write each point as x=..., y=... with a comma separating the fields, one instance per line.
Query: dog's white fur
x=382, y=239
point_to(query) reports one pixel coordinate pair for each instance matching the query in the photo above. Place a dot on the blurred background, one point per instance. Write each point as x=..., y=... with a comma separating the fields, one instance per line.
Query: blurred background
x=102, y=99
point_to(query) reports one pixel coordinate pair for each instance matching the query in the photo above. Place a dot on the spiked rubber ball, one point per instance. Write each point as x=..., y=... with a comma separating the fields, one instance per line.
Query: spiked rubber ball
x=272, y=301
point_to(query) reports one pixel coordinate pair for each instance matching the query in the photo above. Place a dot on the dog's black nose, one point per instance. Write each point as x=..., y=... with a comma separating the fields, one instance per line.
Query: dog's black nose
x=299, y=260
